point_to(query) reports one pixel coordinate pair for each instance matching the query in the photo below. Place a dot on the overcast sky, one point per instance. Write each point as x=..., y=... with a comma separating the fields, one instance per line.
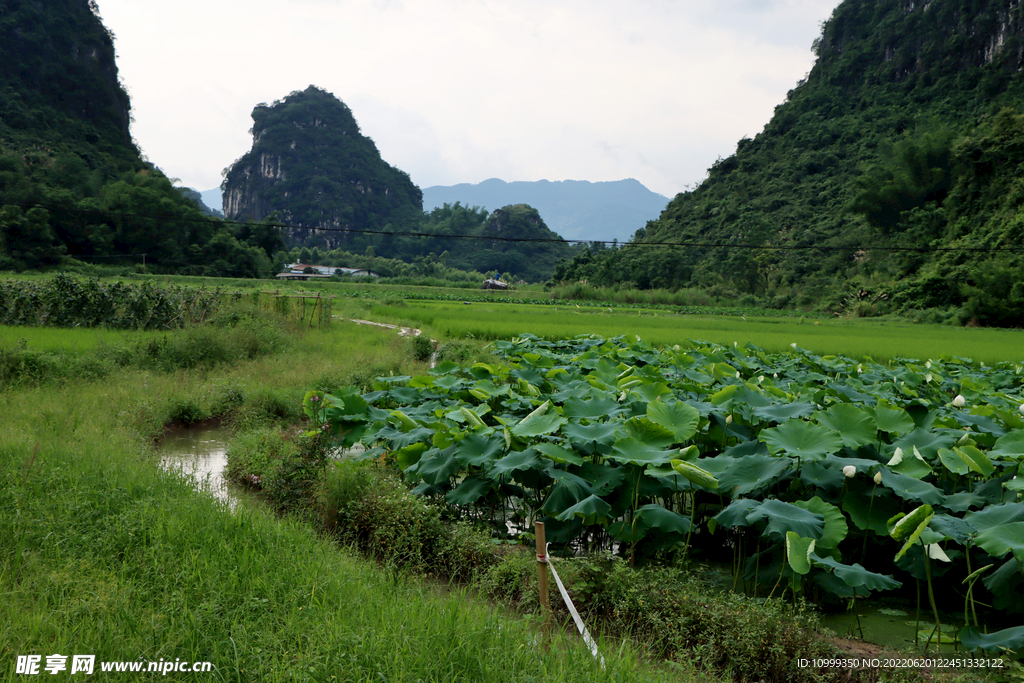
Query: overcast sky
x=456, y=91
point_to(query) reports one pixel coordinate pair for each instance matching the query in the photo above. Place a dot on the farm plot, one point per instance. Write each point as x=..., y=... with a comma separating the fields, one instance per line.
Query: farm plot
x=880, y=340
x=827, y=477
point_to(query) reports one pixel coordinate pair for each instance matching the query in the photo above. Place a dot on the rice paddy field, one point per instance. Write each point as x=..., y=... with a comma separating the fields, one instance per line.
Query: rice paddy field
x=856, y=338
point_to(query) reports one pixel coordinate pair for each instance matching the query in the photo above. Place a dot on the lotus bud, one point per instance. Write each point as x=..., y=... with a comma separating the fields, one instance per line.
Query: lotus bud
x=959, y=401
x=728, y=419
x=760, y=378
x=849, y=471
x=1021, y=408
x=878, y=478
x=928, y=365
x=928, y=377
x=860, y=368
x=775, y=375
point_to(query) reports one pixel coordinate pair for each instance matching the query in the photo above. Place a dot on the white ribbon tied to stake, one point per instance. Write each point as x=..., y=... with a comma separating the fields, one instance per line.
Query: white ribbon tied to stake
x=572, y=609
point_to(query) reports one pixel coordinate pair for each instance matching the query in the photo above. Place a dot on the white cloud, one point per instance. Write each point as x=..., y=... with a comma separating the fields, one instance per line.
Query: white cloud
x=463, y=90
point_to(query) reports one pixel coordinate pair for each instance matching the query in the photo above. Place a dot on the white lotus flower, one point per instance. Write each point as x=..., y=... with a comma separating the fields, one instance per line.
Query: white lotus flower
x=936, y=553
x=959, y=401
x=928, y=365
x=860, y=368
x=878, y=477
x=849, y=471
x=793, y=345
x=928, y=377
x=897, y=457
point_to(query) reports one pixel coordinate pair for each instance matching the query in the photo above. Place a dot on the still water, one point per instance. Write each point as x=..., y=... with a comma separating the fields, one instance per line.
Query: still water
x=200, y=453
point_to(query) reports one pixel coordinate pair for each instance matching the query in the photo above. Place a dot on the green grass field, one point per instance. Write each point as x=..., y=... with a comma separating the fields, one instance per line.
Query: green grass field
x=857, y=338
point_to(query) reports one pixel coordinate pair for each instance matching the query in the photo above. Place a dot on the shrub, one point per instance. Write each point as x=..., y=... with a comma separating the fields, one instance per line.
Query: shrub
x=285, y=469
x=422, y=347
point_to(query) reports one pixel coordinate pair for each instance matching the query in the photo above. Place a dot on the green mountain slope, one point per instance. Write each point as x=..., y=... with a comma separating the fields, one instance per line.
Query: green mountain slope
x=900, y=150
x=72, y=182
x=311, y=165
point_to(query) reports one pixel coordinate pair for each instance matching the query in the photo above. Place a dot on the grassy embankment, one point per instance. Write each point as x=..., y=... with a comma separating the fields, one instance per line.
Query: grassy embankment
x=104, y=553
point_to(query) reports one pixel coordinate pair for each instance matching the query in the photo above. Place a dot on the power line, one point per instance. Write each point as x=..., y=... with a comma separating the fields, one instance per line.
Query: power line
x=548, y=240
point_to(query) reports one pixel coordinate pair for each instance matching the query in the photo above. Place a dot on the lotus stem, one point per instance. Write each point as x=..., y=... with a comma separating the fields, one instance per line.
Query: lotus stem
x=871, y=503
x=917, y=619
x=931, y=598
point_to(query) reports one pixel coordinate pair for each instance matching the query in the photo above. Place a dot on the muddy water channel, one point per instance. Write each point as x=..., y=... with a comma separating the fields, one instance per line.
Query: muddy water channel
x=200, y=453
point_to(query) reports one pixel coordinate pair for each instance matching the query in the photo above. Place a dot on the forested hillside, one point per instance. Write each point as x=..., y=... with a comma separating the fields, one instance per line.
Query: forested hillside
x=889, y=180
x=72, y=182
x=311, y=168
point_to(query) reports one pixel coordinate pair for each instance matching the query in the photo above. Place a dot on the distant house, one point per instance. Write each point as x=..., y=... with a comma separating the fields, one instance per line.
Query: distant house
x=300, y=271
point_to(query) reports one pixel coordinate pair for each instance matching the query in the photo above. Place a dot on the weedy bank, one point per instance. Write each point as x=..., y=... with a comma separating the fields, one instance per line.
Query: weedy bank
x=104, y=553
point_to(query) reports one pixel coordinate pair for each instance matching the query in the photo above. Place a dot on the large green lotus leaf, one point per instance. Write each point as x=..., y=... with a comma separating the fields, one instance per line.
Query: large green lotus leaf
x=591, y=509
x=1009, y=447
x=735, y=514
x=652, y=434
x=911, y=464
x=818, y=475
x=753, y=473
x=782, y=412
x=783, y=517
x=928, y=442
x=678, y=417
x=446, y=368
x=952, y=462
x=651, y=391
x=1006, y=538
x=397, y=439
x=1009, y=639
x=1007, y=586
x=537, y=425
x=470, y=490
x=961, y=502
x=437, y=468
x=856, y=426
x=798, y=552
x=656, y=517
x=603, y=478
x=804, y=440
x=517, y=460
x=995, y=515
x=479, y=449
x=592, y=437
x=856, y=576
x=867, y=512
x=893, y=420
x=723, y=398
x=953, y=528
x=567, y=491
x=557, y=453
x=601, y=405
x=911, y=489
x=835, y=523
x=410, y=455
x=976, y=460
x=632, y=450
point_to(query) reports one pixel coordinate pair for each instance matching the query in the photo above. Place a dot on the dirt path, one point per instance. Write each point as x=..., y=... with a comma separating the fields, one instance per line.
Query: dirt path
x=403, y=331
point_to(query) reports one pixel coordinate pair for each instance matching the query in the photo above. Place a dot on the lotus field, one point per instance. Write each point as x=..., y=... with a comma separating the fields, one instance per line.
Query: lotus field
x=821, y=476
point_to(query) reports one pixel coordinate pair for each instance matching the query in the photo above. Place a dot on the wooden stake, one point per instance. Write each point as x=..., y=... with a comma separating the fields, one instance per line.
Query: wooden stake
x=542, y=579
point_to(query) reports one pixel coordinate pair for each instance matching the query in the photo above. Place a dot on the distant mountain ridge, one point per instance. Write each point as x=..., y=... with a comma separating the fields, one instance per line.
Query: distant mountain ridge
x=575, y=209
